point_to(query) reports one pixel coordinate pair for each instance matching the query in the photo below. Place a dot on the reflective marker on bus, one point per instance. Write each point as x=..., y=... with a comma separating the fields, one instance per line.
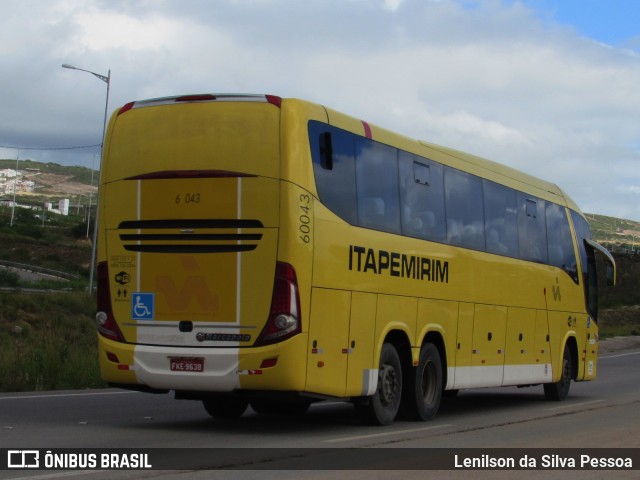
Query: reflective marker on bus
x=272, y=252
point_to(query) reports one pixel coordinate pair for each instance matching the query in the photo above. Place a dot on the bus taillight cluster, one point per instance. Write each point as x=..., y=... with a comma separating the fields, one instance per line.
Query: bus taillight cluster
x=284, y=318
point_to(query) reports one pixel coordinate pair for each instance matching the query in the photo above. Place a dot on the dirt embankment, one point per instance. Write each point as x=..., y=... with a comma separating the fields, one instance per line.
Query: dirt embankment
x=60, y=185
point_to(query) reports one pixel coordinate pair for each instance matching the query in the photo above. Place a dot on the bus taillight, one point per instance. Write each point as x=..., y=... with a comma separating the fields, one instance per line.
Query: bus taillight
x=284, y=318
x=105, y=321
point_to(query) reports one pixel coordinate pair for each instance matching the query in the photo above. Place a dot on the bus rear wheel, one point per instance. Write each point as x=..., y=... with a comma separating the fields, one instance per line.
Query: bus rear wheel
x=428, y=383
x=560, y=390
x=225, y=406
x=383, y=406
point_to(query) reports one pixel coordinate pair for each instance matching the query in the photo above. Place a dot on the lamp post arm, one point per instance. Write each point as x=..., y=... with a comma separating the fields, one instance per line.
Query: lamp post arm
x=101, y=77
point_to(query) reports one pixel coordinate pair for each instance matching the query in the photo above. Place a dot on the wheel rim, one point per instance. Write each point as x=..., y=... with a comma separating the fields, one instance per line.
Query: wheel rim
x=388, y=384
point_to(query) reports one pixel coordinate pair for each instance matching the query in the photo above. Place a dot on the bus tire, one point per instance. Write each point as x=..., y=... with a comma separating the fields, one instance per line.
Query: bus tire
x=225, y=406
x=428, y=383
x=560, y=390
x=383, y=406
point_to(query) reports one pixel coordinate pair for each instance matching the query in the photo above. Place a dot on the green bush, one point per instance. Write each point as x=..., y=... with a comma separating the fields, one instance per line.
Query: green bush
x=8, y=278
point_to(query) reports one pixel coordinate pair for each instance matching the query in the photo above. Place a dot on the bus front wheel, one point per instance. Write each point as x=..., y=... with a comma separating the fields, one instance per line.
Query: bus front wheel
x=560, y=389
x=383, y=406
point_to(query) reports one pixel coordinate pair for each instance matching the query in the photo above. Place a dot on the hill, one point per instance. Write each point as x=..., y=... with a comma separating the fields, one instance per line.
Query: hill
x=51, y=182
x=617, y=234
x=75, y=174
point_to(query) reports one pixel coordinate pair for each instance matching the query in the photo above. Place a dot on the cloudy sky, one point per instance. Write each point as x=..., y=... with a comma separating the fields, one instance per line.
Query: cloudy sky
x=551, y=87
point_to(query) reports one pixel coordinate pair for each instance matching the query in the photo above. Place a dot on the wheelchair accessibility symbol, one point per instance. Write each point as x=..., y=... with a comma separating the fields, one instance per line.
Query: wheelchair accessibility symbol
x=142, y=306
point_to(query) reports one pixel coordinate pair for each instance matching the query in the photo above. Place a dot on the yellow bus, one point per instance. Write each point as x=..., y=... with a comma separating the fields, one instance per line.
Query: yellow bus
x=272, y=252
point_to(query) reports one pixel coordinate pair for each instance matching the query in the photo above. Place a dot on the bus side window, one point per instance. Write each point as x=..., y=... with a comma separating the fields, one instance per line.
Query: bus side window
x=532, y=231
x=377, y=185
x=465, y=210
x=421, y=197
x=559, y=241
x=501, y=219
x=332, y=151
x=588, y=264
x=583, y=231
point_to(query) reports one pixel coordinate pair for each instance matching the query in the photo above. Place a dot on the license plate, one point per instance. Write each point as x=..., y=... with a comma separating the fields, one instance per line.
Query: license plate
x=186, y=364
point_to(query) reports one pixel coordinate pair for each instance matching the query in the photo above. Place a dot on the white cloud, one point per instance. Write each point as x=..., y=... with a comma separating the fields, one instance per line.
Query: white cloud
x=97, y=31
x=632, y=189
x=490, y=79
x=392, y=5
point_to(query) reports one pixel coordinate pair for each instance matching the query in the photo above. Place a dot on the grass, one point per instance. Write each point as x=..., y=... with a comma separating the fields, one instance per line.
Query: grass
x=51, y=249
x=48, y=342
x=620, y=321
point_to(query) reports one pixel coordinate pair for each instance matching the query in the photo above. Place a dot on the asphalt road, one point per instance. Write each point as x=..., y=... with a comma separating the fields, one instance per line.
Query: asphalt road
x=604, y=413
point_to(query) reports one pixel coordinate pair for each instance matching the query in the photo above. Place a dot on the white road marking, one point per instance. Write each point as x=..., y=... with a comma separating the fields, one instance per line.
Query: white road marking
x=620, y=355
x=58, y=475
x=573, y=405
x=386, y=434
x=61, y=395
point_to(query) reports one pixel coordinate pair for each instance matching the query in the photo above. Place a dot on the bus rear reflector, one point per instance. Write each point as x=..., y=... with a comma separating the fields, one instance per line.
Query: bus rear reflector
x=269, y=362
x=112, y=357
x=273, y=100
x=105, y=321
x=284, y=318
x=126, y=108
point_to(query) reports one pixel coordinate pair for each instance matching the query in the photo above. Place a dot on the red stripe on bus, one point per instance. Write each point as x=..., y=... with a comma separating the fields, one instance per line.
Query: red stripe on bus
x=367, y=129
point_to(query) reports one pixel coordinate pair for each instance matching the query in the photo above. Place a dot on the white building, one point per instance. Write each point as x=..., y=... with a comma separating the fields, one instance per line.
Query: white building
x=63, y=206
x=9, y=173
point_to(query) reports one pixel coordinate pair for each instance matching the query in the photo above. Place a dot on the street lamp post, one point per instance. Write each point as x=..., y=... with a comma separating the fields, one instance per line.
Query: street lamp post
x=89, y=209
x=106, y=79
x=15, y=181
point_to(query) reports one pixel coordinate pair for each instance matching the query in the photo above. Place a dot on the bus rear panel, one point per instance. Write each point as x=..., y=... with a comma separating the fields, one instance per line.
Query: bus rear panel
x=191, y=293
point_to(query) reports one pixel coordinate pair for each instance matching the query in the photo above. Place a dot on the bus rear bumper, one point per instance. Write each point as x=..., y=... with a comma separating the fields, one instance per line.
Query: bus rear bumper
x=226, y=369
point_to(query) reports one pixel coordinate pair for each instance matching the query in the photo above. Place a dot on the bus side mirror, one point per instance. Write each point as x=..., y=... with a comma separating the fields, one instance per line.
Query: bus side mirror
x=611, y=263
